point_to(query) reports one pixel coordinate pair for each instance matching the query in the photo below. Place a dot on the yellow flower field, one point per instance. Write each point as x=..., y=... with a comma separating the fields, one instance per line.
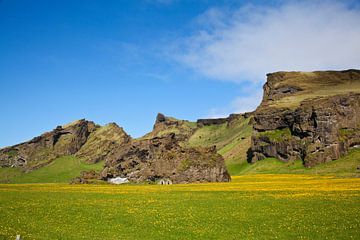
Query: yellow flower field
x=250, y=207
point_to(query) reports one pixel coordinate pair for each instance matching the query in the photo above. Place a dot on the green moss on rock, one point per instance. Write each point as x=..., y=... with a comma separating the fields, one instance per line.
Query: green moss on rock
x=277, y=135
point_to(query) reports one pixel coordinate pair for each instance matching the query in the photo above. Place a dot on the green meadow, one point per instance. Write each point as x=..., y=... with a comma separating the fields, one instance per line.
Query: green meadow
x=266, y=200
x=61, y=170
x=267, y=206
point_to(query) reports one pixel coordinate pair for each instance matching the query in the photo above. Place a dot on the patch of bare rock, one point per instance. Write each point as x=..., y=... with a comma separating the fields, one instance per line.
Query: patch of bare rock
x=164, y=158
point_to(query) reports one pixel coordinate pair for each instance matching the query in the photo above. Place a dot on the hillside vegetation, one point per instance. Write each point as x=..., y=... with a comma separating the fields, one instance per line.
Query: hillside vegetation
x=294, y=123
x=346, y=166
x=299, y=86
x=61, y=170
x=231, y=140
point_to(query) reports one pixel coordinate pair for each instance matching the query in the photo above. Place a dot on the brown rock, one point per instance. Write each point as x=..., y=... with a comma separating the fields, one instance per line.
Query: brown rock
x=63, y=140
x=86, y=177
x=165, y=125
x=163, y=158
x=319, y=129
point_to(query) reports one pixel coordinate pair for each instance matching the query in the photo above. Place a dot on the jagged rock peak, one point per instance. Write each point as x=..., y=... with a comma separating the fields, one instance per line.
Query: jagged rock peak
x=164, y=121
x=160, y=118
x=103, y=142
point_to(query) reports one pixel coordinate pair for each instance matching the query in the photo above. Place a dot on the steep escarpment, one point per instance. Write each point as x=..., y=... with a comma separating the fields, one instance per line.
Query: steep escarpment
x=310, y=116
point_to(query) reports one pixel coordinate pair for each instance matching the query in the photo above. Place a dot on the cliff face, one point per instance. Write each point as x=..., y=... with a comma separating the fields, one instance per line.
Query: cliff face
x=310, y=116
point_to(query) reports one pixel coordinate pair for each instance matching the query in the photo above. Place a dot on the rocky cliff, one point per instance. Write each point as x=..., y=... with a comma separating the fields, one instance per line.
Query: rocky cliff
x=161, y=154
x=63, y=140
x=163, y=158
x=310, y=116
x=164, y=154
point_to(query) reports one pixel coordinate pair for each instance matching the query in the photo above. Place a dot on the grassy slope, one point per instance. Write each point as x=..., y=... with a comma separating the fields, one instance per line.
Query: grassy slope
x=101, y=142
x=232, y=141
x=61, y=170
x=343, y=167
x=250, y=207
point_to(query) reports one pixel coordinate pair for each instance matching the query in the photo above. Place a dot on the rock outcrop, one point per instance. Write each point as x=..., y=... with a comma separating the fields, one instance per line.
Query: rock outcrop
x=63, y=140
x=299, y=119
x=218, y=121
x=86, y=177
x=160, y=155
x=165, y=125
x=102, y=143
x=164, y=158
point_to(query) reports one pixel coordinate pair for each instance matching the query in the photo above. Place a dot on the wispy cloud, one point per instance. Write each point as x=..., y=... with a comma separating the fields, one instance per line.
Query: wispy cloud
x=247, y=43
x=246, y=102
x=242, y=45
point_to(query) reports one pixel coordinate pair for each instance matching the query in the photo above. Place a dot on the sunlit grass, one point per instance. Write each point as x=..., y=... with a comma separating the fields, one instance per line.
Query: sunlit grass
x=250, y=207
x=346, y=166
x=61, y=170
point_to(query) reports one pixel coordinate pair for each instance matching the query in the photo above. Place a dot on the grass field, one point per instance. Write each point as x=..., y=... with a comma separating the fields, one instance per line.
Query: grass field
x=250, y=207
x=343, y=167
x=232, y=142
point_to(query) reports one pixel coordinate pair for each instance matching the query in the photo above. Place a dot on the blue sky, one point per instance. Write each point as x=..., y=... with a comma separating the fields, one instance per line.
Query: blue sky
x=125, y=61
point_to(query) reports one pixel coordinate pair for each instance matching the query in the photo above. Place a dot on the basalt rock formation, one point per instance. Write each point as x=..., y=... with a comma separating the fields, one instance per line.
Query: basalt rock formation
x=163, y=158
x=310, y=116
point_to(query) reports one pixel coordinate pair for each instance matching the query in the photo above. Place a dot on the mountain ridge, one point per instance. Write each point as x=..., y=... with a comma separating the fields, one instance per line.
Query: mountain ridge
x=287, y=125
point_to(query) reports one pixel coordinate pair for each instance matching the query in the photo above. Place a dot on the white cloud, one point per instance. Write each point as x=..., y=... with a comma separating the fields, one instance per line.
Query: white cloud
x=245, y=44
x=245, y=103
